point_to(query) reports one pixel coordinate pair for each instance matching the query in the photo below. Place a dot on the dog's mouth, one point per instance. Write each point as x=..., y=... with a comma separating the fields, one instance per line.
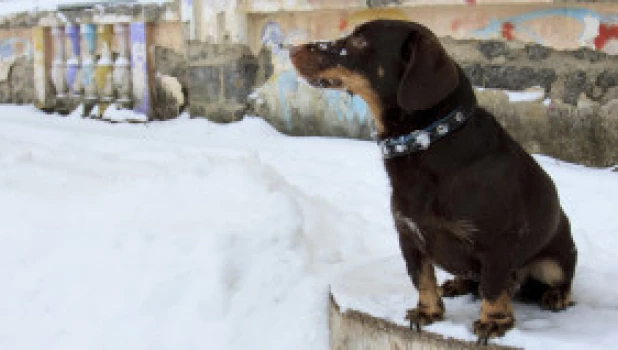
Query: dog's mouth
x=329, y=83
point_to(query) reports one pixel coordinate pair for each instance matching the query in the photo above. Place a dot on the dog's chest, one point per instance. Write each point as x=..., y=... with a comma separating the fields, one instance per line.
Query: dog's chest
x=421, y=212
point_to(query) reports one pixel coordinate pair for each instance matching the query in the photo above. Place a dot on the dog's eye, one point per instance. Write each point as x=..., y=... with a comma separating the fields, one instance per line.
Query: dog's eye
x=358, y=42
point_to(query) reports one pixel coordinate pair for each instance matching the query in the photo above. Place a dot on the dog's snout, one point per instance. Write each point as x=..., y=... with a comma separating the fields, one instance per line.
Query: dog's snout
x=294, y=50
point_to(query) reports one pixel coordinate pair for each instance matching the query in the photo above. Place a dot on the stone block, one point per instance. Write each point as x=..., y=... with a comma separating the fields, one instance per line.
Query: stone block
x=239, y=78
x=205, y=85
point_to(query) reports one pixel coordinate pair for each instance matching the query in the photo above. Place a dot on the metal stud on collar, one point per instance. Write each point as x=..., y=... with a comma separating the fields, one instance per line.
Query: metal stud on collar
x=442, y=129
x=401, y=148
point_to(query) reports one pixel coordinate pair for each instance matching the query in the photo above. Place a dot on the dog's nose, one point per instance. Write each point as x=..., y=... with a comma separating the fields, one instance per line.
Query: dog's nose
x=294, y=50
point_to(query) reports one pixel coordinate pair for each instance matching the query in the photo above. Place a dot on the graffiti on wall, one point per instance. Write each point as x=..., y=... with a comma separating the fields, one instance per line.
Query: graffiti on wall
x=11, y=49
x=565, y=26
x=15, y=47
x=598, y=31
x=286, y=92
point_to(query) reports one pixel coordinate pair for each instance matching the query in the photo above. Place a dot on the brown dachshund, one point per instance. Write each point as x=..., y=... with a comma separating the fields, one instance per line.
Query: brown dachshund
x=465, y=196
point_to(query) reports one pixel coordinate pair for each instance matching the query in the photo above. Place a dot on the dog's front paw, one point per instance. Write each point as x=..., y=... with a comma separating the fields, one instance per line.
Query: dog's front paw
x=494, y=326
x=556, y=299
x=423, y=315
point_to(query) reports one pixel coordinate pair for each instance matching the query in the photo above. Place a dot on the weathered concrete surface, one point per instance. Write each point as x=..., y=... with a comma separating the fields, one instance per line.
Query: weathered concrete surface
x=565, y=75
x=18, y=87
x=355, y=330
x=221, y=79
x=578, y=126
x=585, y=134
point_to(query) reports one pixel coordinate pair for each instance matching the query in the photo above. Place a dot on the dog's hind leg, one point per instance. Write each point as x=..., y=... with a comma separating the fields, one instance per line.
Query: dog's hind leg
x=554, y=267
x=458, y=286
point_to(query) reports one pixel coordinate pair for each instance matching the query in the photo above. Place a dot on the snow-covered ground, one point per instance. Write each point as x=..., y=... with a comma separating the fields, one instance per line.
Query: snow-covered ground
x=193, y=235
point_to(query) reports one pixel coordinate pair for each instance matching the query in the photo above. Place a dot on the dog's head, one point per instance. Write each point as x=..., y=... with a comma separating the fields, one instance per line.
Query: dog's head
x=388, y=63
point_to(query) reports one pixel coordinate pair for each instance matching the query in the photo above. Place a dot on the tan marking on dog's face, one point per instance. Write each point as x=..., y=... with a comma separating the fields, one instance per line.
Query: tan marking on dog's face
x=500, y=306
x=547, y=271
x=380, y=71
x=359, y=85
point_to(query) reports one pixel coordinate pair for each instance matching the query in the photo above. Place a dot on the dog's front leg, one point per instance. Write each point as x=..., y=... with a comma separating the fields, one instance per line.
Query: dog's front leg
x=496, y=316
x=430, y=307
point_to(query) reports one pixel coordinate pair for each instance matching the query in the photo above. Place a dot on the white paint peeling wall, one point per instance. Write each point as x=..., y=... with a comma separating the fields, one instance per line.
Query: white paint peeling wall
x=217, y=21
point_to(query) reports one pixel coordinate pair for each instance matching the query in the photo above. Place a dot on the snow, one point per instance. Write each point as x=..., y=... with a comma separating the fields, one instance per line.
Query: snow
x=115, y=114
x=188, y=234
x=535, y=93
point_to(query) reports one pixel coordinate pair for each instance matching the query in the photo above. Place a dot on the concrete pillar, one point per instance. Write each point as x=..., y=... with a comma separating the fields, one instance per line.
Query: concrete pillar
x=73, y=61
x=59, y=63
x=187, y=17
x=41, y=39
x=122, y=66
x=89, y=45
x=220, y=23
x=141, y=67
x=103, y=72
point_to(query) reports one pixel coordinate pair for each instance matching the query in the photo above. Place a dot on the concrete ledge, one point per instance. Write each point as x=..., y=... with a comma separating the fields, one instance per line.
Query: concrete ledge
x=354, y=330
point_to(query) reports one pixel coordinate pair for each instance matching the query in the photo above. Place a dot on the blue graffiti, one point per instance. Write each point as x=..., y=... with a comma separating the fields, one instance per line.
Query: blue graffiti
x=360, y=108
x=272, y=36
x=11, y=47
x=347, y=109
x=287, y=82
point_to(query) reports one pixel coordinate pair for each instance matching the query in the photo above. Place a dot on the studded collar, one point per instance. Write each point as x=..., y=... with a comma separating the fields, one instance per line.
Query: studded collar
x=420, y=140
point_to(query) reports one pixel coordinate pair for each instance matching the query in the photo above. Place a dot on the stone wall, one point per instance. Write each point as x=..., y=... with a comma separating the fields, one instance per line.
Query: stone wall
x=224, y=60
x=575, y=120
x=568, y=52
x=569, y=76
x=18, y=84
x=585, y=134
x=222, y=77
x=16, y=53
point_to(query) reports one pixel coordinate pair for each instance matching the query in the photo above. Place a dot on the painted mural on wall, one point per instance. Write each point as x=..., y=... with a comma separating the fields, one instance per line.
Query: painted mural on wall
x=290, y=96
x=596, y=30
x=287, y=95
x=11, y=49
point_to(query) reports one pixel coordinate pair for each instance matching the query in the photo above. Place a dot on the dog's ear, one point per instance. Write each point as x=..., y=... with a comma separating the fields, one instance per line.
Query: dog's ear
x=430, y=74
